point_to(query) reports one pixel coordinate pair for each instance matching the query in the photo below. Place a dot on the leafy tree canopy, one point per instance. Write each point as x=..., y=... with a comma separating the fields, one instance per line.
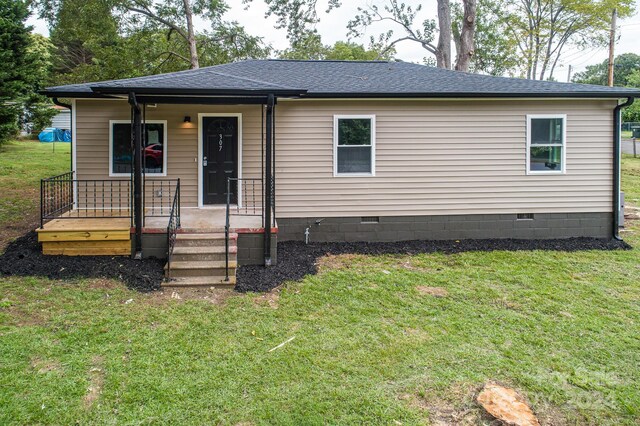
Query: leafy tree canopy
x=625, y=67
x=21, y=66
x=311, y=47
x=108, y=39
x=538, y=32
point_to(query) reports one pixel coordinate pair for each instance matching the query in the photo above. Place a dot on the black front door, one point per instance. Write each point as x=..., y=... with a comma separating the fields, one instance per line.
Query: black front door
x=219, y=158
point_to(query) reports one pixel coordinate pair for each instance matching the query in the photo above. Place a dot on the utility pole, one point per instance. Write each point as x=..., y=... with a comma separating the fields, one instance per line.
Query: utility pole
x=612, y=42
x=569, y=74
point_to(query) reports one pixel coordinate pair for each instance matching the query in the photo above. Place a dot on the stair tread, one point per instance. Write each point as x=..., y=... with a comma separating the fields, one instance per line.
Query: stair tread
x=233, y=249
x=199, y=281
x=205, y=236
x=201, y=264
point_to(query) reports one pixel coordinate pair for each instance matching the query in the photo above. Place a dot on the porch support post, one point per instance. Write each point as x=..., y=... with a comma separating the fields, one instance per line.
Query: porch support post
x=267, y=180
x=137, y=172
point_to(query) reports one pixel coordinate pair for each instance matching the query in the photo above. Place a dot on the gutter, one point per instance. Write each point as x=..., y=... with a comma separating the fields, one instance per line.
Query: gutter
x=473, y=95
x=56, y=101
x=616, y=166
x=103, y=90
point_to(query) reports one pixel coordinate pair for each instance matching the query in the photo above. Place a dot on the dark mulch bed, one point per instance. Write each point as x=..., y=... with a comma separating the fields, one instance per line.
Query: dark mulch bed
x=295, y=259
x=23, y=257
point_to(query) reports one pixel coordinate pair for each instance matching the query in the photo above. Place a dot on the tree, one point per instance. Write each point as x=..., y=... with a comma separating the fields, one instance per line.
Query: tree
x=297, y=17
x=404, y=17
x=109, y=39
x=37, y=109
x=541, y=30
x=493, y=54
x=311, y=47
x=626, y=67
x=16, y=76
x=625, y=73
x=174, y=16
x=632, y=113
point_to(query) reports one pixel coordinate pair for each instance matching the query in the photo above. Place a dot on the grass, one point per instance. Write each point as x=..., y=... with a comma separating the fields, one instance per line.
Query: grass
x=22, y=165
x=631, y=179
x=371, y=346
x=626, y=134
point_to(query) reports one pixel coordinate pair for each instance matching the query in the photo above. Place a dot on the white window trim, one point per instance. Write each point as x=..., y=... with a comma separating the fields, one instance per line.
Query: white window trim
x=164, y=150
x=563, y=166
x=371, y=117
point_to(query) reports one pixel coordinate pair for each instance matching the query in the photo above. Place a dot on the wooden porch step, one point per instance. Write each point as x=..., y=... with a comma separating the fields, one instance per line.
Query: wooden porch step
x=217, y=282
x=86, y=237
x=87, y=248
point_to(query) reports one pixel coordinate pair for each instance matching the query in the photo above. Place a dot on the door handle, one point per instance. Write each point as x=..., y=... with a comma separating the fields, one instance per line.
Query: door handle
x=204, y=162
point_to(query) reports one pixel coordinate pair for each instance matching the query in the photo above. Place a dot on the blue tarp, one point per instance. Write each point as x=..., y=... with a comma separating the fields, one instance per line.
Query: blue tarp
x=53, y=134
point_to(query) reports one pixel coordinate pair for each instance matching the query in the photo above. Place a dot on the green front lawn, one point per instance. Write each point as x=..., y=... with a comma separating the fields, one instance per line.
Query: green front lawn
x=22, y=165
x=372, y=344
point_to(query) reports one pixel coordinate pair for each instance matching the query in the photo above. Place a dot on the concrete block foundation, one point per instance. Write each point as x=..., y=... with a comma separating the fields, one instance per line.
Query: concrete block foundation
x=455, y=227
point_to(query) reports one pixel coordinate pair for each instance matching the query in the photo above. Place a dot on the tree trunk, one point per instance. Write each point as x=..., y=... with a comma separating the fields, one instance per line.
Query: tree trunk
x=443, y=52
x=191, y=38
x=465, y=46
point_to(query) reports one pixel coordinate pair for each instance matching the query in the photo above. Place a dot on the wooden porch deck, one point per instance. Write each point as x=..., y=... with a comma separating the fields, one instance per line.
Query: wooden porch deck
x=81, y=233
x=87, y=235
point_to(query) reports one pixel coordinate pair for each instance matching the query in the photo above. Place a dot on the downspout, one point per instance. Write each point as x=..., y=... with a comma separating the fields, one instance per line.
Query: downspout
x=70, y=108
x=137, y=173
x=267, y=180
x=616, y=166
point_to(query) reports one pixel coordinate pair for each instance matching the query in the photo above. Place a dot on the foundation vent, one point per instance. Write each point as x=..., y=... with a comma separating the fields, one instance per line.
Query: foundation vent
x=524, y=216
x=370, y=219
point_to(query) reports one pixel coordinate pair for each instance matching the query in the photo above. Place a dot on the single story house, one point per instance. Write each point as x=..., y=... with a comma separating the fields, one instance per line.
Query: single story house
x=213, y=166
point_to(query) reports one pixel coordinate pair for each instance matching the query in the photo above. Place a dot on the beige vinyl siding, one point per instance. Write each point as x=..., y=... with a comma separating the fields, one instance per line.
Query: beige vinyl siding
x=442, y=157
x=432, y=157
x=92, y=130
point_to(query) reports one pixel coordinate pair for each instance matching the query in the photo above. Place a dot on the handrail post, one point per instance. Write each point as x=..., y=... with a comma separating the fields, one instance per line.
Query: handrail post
x=178, y=189
x=226, y=233
x=41, y=203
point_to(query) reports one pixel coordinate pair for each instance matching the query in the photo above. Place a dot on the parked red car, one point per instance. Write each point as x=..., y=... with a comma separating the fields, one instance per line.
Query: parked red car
x=153, y=156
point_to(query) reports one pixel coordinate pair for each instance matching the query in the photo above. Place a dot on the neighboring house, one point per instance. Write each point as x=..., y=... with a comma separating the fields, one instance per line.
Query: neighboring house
x=354, y=151
x=62, y=120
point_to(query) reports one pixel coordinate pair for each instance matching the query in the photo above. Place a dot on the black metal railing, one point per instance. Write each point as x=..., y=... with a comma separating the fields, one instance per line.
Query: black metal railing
x=249, y=203
x=173, y=226
x=56, y=196
x=63, y=197
x=160, y=196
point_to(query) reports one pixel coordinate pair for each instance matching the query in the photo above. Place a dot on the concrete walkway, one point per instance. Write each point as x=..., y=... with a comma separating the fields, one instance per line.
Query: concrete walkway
x=627, y=146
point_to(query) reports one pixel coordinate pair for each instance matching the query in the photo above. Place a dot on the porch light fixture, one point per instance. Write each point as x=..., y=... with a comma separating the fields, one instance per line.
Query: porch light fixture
x=187, y=119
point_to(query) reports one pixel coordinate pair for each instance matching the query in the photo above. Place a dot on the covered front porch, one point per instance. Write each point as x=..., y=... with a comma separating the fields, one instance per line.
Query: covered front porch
x=141, y=204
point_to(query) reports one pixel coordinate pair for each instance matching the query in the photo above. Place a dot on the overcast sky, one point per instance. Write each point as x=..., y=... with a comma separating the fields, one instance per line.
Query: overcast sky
x=332, y=28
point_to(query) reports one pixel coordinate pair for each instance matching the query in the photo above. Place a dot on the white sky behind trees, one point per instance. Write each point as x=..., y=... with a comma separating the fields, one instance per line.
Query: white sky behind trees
x=333, y=27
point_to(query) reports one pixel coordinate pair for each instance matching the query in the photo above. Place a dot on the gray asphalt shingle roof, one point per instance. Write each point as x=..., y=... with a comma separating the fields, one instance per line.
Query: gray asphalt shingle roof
x=338, y=79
